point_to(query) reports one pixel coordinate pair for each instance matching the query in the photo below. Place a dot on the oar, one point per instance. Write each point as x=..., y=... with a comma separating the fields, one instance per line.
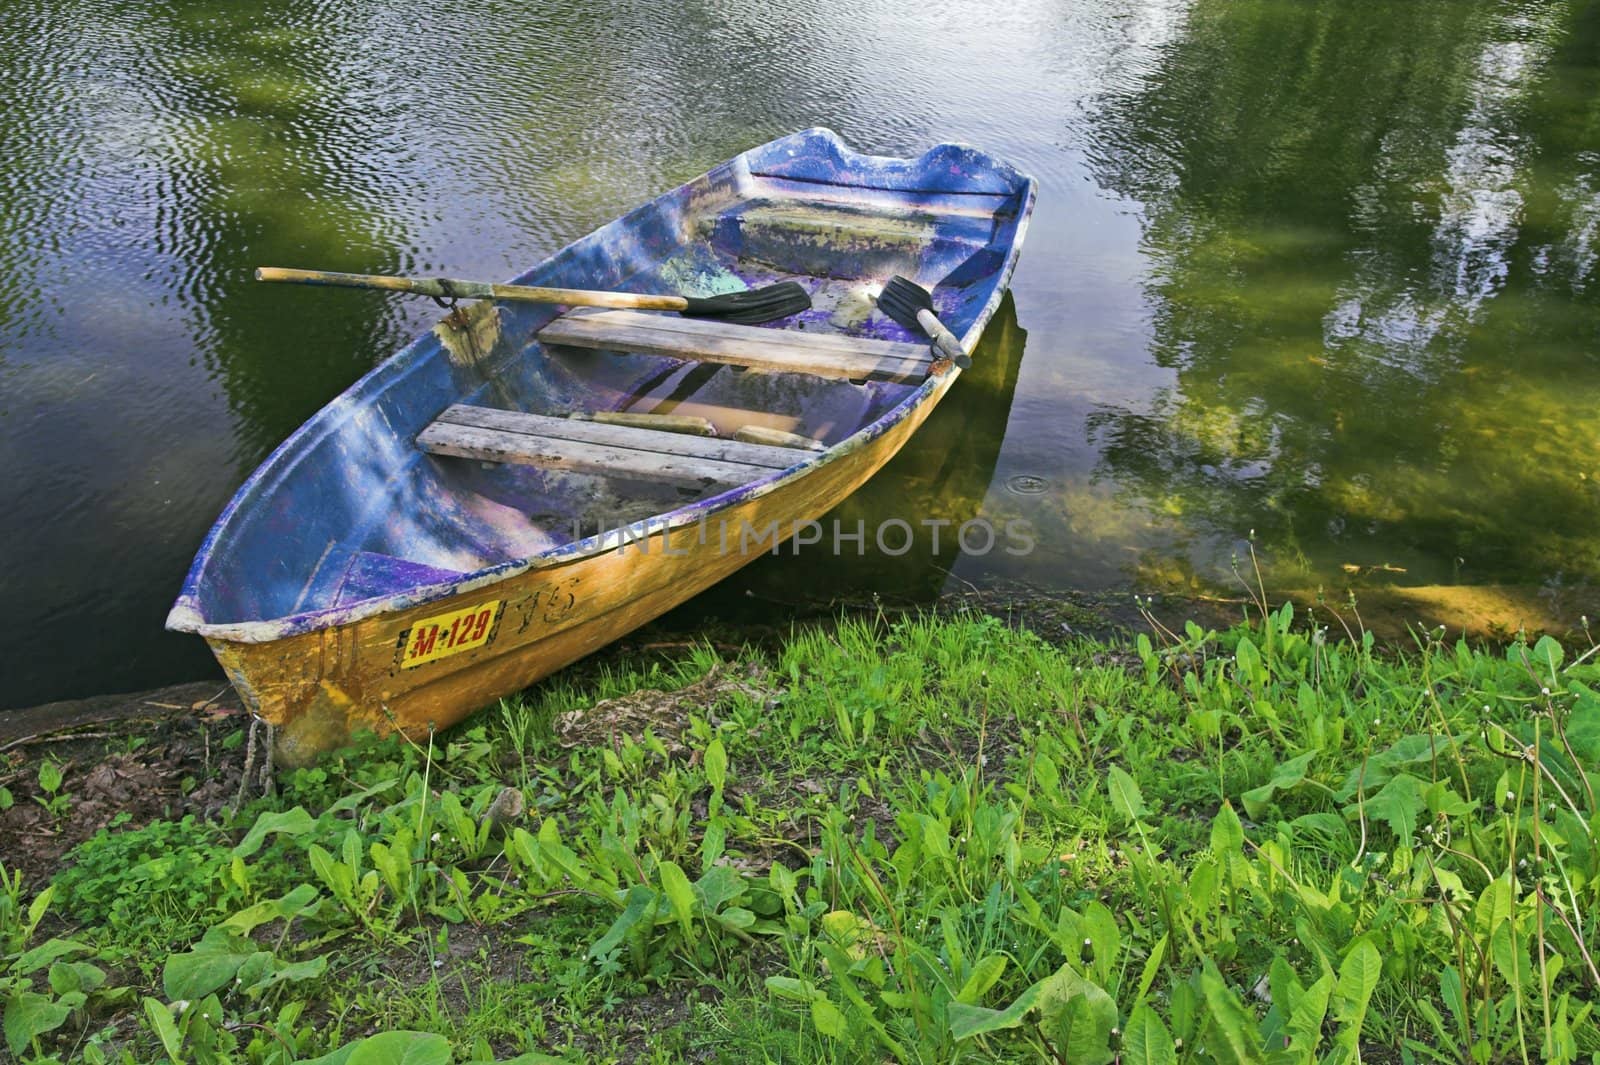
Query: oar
x=909, y=304
x=756, y=305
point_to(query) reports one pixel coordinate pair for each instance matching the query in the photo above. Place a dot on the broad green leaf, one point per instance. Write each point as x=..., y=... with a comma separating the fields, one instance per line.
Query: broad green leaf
x=843, y=927
x=1417, y=747
x=795, y=990
x=1439, y=799
x=351, y=851
x=330, y=872
x=1126, y=798
x=719, y=886
x=1078, y=1015
x=1547, y=657
x=29, y=1015
x=1510, y=955
x=1358, y=978
x=712, y=844
x=640, y=901
x=967, y=1021
x=1147, y=1041
x=841, y=968
x=1240, y=1042
x=829, y=1021
x=1227, y=834
x=1397, y=804
x=1583, y=730
x=309, y=969
x=68, y=976
x=1046, y=773
x=1100, y=929
x=1249, y=660
x=288, y=907
x=1305, y=1019
x=45, y=953
x=36, y=909
x=984, y=975
x=208, y=966
x=736, y=917
x=1284, y=985
x=401, y=1048
x=561, y=856
x=1406, y=751
x=1496, y=903
x=716, y=763
x=1152, y=966
x=295, y=822
x=49, y=776
x=680, y=896
x=160, y=1016
x=1285, y=777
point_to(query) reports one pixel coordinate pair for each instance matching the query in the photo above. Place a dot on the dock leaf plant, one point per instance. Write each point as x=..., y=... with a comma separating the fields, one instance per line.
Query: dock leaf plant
x=931, y=839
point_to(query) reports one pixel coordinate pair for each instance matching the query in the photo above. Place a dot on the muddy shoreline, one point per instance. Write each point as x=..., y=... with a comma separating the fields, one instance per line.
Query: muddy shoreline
x=183, y=749
x=1490, y=613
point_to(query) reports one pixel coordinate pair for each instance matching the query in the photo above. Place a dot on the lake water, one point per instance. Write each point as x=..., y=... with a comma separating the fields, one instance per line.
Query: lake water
x=1321, y=274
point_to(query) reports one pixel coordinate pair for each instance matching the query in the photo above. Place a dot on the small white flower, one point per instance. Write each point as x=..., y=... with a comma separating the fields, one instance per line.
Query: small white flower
x=1511, y=796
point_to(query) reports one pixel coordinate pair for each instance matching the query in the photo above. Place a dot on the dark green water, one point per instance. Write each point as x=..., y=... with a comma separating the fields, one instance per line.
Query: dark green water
x=1321, y=270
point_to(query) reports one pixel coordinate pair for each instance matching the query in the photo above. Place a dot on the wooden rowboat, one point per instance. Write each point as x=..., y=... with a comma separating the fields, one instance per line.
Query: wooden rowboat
x=515, y=489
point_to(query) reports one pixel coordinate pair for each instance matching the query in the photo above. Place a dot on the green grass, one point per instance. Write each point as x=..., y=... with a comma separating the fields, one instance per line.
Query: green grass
x=923, y=840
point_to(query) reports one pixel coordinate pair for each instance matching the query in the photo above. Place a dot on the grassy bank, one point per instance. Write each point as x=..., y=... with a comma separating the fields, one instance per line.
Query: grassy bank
x=928, y=840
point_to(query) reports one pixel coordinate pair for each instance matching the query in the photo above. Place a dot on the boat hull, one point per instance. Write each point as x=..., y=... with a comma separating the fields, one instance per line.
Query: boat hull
x=320, y=688
x=361, y=581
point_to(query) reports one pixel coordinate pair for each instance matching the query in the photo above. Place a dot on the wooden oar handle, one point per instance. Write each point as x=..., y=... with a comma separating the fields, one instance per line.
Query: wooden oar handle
x=449, y=288
x=945, y=344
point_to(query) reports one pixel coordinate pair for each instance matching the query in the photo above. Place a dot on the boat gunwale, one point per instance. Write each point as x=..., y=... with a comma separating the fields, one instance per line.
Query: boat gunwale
x=187, y=616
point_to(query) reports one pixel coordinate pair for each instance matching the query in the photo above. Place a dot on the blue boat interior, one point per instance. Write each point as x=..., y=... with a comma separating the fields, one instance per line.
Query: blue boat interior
x=350, y=510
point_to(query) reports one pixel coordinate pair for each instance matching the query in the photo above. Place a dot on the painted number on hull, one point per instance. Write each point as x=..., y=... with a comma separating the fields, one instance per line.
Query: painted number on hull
x=446, y=634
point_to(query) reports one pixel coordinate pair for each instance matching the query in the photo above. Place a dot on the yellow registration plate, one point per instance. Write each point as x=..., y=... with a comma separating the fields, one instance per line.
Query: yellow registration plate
x=447, y=634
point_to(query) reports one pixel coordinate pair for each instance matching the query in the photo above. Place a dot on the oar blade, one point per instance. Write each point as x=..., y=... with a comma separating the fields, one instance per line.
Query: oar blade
x=765, y=304
x=901, y=299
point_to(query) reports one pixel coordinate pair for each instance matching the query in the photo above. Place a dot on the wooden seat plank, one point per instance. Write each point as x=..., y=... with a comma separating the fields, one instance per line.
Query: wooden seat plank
x=613, y=435
x=596, y=447
x=787, y=350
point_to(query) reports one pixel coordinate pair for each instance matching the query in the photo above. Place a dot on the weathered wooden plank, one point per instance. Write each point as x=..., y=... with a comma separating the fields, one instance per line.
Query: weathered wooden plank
x=652, y=441
x=788, y=350
x=494, y=445
x=836, y=343
x=667, y=423
x=761, y=434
